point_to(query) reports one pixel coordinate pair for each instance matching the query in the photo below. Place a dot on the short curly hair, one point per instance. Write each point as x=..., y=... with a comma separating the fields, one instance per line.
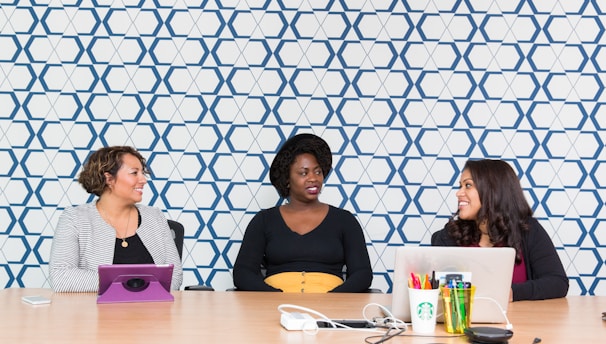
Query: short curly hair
x=279, y=171
x=106, y=159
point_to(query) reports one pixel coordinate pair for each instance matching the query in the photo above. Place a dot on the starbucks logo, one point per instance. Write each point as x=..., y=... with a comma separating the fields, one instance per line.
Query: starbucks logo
x=425, y=311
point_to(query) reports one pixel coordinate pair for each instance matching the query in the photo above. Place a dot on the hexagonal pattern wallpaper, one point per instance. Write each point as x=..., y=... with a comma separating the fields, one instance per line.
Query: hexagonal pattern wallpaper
x=404, y=92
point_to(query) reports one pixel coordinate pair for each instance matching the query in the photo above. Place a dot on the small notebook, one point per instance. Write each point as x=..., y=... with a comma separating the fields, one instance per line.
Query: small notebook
x=490, y=270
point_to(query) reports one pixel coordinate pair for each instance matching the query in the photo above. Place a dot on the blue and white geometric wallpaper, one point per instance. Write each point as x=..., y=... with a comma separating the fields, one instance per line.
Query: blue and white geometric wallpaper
x=404, y=92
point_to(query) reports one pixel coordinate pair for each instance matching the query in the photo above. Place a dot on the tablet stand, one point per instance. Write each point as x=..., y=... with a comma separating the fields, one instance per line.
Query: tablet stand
x=135, y=288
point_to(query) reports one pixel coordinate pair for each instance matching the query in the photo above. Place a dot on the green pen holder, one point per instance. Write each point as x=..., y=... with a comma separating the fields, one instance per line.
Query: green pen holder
x=458, y=308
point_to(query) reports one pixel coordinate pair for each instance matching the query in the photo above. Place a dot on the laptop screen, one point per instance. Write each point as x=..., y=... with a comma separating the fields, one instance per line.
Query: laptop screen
x=489, y=269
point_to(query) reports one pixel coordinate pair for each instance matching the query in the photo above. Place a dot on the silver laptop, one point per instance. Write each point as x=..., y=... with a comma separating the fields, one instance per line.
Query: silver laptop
x=489, y=269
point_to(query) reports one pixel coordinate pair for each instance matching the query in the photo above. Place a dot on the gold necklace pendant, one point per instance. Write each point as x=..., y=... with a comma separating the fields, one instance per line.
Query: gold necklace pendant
x=104, y=215
x=124, y=243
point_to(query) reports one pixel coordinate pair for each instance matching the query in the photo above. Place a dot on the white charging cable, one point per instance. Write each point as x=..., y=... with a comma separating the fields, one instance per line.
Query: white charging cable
x=314, y=328
x=508, y=326
x=388, y=321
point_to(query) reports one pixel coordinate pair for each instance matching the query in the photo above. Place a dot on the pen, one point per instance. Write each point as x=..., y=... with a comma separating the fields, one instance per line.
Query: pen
x=461, y=302
x=447, y=312
x=415, y=281
x=459, y=314
x=427, y=284
x=467, y=305
x=453, y=310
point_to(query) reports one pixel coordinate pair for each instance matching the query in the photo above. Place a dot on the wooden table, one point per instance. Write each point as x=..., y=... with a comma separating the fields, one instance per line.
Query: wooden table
x=251, y=317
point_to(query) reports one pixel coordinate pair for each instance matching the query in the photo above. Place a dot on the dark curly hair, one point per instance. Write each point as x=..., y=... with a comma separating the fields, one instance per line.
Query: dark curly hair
x=504, y=207
x=106, y=159
x=279, y=171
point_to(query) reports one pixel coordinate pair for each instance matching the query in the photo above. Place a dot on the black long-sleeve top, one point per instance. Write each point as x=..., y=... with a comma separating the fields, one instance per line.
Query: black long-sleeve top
x=546, y=278
x=337, y=242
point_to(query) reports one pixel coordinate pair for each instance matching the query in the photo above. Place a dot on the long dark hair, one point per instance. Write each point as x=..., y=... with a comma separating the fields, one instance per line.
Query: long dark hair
x=504, y=208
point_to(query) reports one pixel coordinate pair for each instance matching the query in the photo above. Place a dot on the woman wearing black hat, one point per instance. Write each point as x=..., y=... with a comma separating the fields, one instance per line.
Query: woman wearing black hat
x=303, y=244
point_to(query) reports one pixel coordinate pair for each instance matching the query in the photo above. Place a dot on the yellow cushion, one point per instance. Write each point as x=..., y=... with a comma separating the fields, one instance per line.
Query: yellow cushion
x=304, y=282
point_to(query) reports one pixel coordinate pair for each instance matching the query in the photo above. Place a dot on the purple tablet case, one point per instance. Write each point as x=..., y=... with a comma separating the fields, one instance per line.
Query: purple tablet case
x=135, y=283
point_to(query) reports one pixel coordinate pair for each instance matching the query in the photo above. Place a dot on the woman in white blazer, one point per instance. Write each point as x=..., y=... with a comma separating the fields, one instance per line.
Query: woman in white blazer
x=113, y=229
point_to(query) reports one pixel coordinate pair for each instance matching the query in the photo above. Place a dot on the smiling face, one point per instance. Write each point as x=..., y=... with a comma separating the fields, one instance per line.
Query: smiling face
x=468, y=198
x=306, y=179
x=129, y=181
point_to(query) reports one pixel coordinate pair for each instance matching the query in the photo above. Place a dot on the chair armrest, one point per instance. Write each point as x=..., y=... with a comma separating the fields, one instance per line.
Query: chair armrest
x=199, y=287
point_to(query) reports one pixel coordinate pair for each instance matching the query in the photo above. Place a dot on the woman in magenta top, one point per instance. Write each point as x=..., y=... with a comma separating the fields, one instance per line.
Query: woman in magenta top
x=492, y=212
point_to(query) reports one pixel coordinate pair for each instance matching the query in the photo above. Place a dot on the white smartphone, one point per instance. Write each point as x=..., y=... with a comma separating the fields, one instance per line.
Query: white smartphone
x=36, y=300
